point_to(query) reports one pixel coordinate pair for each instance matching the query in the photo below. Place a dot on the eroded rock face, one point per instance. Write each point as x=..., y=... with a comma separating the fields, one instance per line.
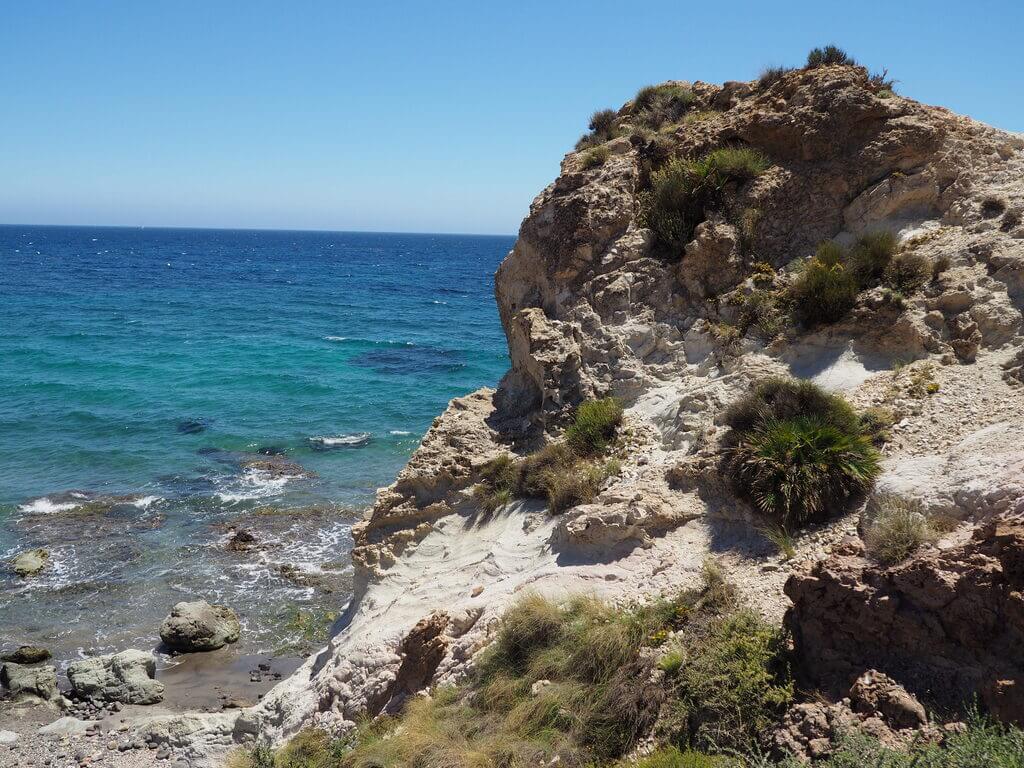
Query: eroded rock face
x=126, y=677
x=199, y=626
x=948, y=623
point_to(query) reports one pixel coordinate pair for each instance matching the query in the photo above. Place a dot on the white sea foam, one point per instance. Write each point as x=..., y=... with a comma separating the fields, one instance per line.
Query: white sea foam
x=399, y=432
x=45, y=506
x=336, y=338
x=253, y=484
x=146, y=501
x=325, y=442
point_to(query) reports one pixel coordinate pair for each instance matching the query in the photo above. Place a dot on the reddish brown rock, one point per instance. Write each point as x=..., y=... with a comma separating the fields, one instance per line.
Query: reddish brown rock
x=948, y=625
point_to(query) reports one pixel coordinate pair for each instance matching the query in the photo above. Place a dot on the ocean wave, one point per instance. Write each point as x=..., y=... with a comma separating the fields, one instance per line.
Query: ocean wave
x=400, y=432
x=326, y=442
x=47, y=505
x=146, y=501
x=253, y=484
x=372, y=342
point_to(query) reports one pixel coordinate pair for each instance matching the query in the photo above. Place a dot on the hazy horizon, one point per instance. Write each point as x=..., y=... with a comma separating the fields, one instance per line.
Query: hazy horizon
x=402, y=118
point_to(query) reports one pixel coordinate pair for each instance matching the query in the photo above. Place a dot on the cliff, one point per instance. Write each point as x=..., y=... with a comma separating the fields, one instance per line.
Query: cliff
x=594, y=303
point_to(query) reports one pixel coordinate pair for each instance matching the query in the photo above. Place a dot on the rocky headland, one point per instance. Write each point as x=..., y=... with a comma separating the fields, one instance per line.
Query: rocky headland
x=607, y=296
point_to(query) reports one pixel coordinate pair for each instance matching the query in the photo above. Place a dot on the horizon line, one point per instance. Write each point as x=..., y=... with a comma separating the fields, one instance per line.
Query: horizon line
x=265, y=229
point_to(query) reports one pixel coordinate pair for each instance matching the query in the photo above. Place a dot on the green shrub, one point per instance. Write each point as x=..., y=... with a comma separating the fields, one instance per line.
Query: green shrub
x=579, y=485
x=875, y=423
x=671, y=757
x=830, y=54
x=682, y=190
x=602, y=122
x=799, y=469
x=870, y=255
x=498, y=481
x=594, y=426
x=907, y=272
x=798, y=452
x=735, y=683
x=782, y=398
x=594, y=158
x=603, y=127
x=672, y=208
x=823, y=292
x=895, y=528
x=535, y=469
x=656, y=105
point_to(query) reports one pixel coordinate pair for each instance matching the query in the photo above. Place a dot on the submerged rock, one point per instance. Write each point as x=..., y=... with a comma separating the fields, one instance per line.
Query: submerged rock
x=31, y=562
x=126, y=677
x=199, y=626
x=27, y=654
x=30, y=682
x=192, y=426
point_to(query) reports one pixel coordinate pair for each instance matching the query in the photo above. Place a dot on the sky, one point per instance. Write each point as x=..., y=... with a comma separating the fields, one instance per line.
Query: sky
x=390, y=116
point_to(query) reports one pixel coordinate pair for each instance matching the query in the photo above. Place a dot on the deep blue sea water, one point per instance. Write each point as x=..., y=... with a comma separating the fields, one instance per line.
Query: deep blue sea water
x=144, y=371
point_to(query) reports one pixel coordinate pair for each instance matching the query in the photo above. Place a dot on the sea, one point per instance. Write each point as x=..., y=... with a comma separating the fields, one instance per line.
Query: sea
x=192, y=414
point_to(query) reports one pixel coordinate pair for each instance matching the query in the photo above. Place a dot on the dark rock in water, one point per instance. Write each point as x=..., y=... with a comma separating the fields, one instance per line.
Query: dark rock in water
x=27, y=654
x=270, y=450
x=242, y=541
x=275, y=466
x=192, y=426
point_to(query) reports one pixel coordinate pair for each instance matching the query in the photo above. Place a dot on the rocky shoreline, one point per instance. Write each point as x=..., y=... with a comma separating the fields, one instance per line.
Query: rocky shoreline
x=593, y=308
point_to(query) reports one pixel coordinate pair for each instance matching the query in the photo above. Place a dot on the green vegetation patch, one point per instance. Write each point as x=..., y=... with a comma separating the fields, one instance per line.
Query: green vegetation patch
x=828, y=55
x=566, y=473
x=895, y=527
x=826, y=287
x=657, y=105
x=798, y=453
x=683, y=190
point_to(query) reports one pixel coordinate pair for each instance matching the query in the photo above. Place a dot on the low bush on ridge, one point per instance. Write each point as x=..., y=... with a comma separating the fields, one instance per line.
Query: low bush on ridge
x=682, y=190
x=603, y=127
x=657, y=105
x=830, y=54
x=798, y=452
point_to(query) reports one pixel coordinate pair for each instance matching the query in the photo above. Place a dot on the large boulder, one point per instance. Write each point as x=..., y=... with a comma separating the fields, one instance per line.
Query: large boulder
x=199, y=626
x=30, y=562
x=30, y=682
x=125, y=677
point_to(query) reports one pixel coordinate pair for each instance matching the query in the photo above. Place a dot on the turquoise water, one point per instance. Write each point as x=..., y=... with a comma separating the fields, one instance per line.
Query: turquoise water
x=145, y=374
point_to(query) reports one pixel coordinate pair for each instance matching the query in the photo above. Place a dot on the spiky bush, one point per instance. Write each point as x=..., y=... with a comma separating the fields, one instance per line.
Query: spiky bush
x=825, y=289
x=594, y=426
x=870, y=255
x=682, y=190
x=798, y=452
x=830, y=54
x=658, y=105
x=895, y=528
x=907, y=272
x=603, y=127
x=771, y=75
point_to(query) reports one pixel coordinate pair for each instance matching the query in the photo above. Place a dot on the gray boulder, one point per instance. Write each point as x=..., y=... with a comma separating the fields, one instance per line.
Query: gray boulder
x=199, y=626
x=30, y=562
x=126, y=677
x=30, y=682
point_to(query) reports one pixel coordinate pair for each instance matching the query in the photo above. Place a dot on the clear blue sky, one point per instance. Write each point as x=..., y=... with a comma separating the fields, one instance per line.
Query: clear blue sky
x=428, y=116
